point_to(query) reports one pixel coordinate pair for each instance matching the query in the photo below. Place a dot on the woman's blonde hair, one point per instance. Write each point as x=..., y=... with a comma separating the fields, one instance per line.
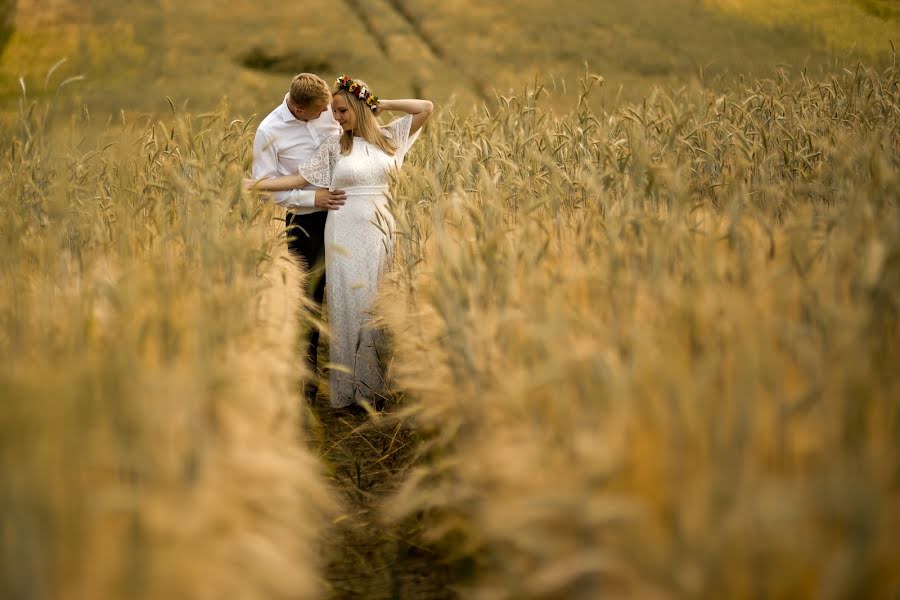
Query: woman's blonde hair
x=367, y=126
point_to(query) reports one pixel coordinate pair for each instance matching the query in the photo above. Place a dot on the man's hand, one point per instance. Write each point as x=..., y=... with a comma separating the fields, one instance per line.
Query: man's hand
x=330, y=200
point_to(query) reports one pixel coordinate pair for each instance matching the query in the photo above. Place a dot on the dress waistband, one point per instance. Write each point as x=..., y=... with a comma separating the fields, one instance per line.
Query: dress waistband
x=366, y=190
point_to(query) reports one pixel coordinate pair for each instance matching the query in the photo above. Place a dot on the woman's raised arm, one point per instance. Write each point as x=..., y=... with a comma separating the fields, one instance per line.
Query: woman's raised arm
x=420, y=110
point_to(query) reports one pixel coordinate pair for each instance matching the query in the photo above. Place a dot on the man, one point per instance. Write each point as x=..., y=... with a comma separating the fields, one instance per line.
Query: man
x=285, y=139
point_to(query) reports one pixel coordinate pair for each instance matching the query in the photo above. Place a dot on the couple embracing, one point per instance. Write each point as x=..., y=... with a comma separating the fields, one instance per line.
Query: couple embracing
x=323, y=156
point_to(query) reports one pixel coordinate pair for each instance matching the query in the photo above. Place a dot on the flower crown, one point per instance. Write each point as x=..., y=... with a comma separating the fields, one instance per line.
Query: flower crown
x=345, y=82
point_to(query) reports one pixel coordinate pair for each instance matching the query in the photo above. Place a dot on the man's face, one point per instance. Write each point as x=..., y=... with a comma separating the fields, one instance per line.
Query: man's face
x=307, y=113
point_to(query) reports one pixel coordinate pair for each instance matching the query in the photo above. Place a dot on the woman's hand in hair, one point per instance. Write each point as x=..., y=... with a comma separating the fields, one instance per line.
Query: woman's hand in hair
x=420, y=110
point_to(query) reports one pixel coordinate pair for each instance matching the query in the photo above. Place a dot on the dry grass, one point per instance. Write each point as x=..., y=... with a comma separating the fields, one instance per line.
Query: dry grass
x=150, y=436
x=655, y=352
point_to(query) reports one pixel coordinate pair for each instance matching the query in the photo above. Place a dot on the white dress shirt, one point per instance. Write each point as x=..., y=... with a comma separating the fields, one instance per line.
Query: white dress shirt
x=282, y=144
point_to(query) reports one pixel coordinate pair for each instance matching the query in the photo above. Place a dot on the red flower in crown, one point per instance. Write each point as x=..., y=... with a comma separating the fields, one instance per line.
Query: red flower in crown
x=345, y=82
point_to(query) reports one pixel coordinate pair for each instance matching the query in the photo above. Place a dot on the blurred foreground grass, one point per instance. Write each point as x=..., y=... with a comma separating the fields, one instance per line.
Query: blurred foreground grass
x=149, y=433
x=656, y=351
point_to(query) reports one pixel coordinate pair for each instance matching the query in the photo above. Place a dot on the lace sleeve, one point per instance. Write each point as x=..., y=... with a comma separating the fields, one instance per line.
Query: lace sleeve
x=319, y=169
x=399, y=132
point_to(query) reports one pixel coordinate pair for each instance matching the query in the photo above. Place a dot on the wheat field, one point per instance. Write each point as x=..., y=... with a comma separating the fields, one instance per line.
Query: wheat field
x=133, y=55
x=149, y=434
x=654, y=353
x=641, y=349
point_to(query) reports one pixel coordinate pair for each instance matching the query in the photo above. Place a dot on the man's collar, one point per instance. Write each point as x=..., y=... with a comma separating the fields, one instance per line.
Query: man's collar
x=285, y=113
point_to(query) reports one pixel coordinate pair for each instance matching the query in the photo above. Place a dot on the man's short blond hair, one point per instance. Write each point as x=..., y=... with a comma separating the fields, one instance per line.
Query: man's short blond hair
x=308, y=89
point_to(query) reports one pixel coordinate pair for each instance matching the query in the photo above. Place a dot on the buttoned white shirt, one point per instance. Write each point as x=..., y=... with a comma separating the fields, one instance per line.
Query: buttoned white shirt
x=282, y=144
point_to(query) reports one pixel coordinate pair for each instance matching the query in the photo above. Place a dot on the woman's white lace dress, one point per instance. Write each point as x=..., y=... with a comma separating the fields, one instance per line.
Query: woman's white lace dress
x=358, y=241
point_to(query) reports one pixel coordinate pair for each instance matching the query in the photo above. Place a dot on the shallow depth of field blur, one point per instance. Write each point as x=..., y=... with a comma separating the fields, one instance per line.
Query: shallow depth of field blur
x=644, y=303
x=135, y=53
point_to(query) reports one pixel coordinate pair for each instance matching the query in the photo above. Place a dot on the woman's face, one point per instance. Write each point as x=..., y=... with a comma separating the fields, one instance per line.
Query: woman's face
x=343, y=112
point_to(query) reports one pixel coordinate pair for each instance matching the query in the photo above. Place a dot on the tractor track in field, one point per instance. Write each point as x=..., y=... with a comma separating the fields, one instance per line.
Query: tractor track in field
x=418, y=31
x=436, y=50
x=366, y=20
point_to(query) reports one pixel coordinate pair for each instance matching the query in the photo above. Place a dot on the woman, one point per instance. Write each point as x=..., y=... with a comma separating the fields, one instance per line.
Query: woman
x=358, y=236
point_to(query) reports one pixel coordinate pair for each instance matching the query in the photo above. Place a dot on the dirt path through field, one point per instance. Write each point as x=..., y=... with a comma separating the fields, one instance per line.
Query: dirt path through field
x=366, y=458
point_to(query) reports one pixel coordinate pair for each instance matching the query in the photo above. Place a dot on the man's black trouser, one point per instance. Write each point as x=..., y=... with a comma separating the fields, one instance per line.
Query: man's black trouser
x=306, y=241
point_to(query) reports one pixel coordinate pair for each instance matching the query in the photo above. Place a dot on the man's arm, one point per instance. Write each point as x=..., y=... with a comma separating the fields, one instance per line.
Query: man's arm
x=265, y=165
